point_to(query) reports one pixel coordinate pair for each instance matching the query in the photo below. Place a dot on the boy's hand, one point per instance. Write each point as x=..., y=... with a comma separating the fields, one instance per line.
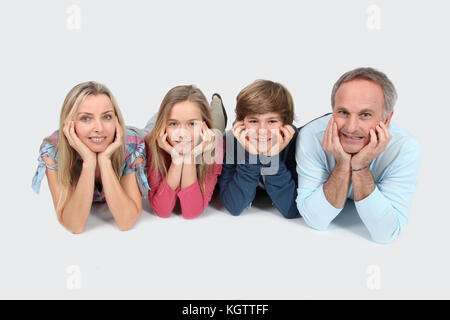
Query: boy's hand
x=283, y=136
x=241, y=135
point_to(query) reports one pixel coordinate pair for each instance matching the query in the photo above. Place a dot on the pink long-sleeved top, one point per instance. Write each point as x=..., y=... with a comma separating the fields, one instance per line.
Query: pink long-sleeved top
x=192, y=202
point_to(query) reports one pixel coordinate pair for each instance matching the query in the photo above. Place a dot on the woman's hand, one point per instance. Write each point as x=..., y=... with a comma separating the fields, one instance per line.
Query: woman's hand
x=117, y=143
x=85, y=153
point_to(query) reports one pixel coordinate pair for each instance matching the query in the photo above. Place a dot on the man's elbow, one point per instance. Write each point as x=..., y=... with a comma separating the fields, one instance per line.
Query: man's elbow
x=315, y=221
x=385, y=237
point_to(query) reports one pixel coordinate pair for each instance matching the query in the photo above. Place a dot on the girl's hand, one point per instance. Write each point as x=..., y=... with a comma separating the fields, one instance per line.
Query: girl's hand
x=117, y=143
x=165, y=145
x=85, y=153
x=208, y=141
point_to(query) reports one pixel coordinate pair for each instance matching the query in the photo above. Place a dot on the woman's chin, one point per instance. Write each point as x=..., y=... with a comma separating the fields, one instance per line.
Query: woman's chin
x=97, y=149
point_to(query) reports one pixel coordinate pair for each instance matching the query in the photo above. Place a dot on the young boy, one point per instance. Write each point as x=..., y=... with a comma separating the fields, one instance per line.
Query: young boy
x=260, y=150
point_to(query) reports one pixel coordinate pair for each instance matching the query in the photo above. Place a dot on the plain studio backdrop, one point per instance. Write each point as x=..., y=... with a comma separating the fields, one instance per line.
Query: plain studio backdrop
x=141, y=49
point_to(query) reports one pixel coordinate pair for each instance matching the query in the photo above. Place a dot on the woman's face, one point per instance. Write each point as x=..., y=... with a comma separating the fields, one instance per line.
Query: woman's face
x=184, y=126
x=95, y=122
x=263, y=128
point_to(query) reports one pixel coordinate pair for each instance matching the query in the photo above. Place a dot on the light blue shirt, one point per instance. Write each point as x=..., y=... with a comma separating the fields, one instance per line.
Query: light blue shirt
x=395, y=172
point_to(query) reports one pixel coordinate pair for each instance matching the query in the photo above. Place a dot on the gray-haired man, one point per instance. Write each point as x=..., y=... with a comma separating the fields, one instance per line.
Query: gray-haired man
x=356, y=153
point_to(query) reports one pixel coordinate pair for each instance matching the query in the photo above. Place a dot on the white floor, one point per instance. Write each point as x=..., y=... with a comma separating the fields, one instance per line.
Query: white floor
x=258, y=255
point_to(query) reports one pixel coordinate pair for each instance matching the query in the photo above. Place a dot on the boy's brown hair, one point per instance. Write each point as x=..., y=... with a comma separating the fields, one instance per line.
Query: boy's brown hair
x=263, y=96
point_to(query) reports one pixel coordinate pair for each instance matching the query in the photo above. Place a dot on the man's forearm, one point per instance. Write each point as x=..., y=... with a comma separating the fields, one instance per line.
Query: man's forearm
x=363, y=184
x=336, y=188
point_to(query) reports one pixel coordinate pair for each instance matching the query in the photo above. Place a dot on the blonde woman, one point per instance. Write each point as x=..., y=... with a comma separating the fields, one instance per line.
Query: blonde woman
x=92, y=159
x=184, y=152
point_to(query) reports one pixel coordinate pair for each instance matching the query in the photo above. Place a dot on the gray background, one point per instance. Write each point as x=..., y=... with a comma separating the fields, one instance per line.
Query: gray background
x=140, y=49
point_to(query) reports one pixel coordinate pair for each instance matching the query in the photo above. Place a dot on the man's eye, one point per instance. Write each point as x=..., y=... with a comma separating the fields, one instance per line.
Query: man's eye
x=342, y=112
x=366, y=115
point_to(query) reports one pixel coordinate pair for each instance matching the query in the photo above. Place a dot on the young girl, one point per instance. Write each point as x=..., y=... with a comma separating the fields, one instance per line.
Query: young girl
x=90, y=159
x=184, y=153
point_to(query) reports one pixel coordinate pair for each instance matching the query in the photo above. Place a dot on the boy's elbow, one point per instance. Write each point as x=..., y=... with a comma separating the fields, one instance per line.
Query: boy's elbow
x=234, y=211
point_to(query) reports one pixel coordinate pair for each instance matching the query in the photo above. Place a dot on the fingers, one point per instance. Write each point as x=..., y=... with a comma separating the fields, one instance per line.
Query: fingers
x=373, y=138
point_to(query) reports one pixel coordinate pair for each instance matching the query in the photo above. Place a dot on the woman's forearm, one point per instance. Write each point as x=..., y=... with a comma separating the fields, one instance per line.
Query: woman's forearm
x=123, y=208
x=76, y=211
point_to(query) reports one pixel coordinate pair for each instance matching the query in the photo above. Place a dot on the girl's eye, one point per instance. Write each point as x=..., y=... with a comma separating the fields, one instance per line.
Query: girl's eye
x=107, y=117
x=84, y=118
x=193, y=124
x=172, y=124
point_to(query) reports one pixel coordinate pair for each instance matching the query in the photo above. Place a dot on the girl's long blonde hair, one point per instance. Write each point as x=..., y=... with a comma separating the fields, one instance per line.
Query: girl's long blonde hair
x=68, y=171
x=175, y=95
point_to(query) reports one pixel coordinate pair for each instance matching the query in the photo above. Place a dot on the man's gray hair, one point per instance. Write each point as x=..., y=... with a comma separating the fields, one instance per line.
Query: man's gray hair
x=390, y=94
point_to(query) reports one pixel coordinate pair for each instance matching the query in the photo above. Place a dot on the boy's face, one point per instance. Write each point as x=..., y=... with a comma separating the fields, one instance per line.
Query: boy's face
x=260, y=126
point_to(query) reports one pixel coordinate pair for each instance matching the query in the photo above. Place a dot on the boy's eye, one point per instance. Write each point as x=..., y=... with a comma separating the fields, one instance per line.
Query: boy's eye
x=253, y=121
x=273, y=121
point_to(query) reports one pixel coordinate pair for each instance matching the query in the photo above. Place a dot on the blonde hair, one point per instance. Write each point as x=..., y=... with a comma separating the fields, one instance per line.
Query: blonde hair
x=68, y=172
x=263, y=96
x=175, y=95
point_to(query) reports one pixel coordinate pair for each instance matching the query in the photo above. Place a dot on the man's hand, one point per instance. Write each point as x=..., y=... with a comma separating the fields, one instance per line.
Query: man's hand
x=377, y=144
x=332, y=144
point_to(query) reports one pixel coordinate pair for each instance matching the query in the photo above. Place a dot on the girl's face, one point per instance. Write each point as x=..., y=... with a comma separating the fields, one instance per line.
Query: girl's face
x=260, y=127
x=184, y=126
x=95, y=122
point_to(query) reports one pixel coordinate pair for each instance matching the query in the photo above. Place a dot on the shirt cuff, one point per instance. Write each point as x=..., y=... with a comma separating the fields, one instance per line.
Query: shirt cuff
x=373, y=206
x=318, y=212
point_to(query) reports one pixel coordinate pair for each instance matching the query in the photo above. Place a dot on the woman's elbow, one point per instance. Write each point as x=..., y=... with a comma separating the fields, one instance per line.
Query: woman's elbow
x=127, y=224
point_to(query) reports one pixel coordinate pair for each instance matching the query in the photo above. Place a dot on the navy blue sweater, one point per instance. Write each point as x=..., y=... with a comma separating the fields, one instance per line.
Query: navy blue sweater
x=241, y=174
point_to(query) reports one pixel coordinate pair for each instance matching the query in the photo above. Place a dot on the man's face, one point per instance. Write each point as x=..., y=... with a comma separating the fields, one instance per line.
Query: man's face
x=358, y=108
